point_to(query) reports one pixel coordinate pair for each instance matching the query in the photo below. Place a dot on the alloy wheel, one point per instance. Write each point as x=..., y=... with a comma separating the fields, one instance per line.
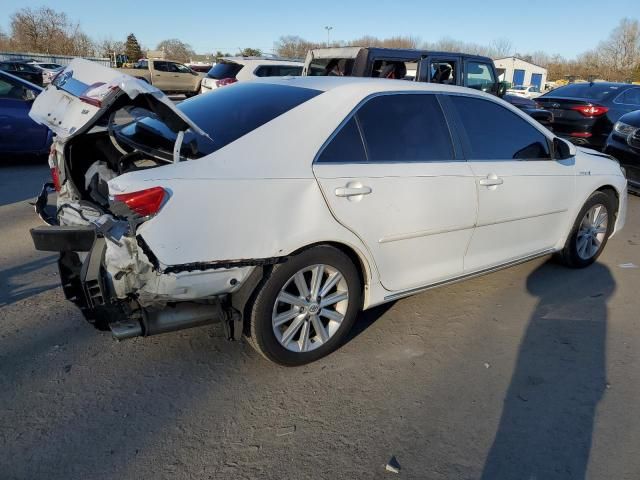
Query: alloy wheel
x=592, y=231
x=310, y=308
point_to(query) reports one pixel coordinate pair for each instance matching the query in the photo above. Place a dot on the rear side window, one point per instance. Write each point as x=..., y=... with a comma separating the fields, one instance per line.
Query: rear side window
x=405, y=128
x=346, y=146
x=161, y=66
x=224, y=70
x=395, y=128
x=225, y=115
x=278, y=71
x=495, y=133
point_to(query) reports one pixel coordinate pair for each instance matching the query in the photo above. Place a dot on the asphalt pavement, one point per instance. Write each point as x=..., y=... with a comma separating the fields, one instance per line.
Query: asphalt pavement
x=527, y=373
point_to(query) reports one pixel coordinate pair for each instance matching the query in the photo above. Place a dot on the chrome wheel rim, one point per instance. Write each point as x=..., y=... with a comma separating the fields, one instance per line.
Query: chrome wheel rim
x=592, y=231
x=310, y=308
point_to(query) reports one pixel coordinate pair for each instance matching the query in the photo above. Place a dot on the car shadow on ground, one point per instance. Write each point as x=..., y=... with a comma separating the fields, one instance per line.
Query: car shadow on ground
x=14, y=286
x=21, y=178
x=546, y=427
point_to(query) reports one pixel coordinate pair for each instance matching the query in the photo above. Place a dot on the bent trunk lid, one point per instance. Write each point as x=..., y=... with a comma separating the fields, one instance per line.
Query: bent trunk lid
x=85, y=91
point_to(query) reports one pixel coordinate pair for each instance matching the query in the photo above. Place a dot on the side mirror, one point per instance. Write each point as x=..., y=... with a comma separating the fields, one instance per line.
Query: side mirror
x=563, y=149
x=502, y=89
x=28, y=95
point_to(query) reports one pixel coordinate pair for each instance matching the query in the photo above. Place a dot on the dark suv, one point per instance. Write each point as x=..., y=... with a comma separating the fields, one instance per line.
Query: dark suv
x=420, y=65
x=585, y=113
x=473, y=71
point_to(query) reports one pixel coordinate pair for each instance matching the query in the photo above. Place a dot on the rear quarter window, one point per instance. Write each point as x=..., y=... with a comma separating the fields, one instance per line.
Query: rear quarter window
x=224, y=70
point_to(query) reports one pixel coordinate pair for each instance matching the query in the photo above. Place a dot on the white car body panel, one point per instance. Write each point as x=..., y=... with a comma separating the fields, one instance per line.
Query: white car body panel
x=261, y=196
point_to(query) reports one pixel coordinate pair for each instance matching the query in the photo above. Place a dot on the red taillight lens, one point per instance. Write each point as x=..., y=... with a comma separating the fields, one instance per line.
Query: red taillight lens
x=97, y=93
x=145, y=202
x=55, y=177
x=581, y=134
x=225, y=81
x=591, y=110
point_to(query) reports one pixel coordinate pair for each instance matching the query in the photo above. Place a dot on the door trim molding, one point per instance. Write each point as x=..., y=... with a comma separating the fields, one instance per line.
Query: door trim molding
x=466, y=276
x=515, y=219
x=423, y=233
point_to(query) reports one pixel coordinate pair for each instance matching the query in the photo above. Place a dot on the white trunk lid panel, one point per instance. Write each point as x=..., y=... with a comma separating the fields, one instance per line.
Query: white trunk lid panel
x=86, y=90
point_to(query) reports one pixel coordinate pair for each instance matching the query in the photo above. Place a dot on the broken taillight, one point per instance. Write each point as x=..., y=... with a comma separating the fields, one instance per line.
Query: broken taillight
x=144, y=202
x=55, y=177
x=97, y=93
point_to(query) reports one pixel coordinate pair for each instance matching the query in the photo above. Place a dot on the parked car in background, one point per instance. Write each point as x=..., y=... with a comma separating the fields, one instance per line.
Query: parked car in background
x=530, y=91
x=19, y=134
x=584, y=113
x=166, y=75
x=228, y=206
x=238, y=69
x=23, y=70
x=624, y=144
x=49, y=70
x=199, y=67
x=532, y=108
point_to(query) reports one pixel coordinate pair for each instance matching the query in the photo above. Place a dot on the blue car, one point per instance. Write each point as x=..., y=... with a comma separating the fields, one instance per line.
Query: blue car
x=18, y=133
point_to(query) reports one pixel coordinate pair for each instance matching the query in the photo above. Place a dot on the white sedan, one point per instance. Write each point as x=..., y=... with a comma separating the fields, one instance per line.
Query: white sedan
x=530, y=91
x=283, y=207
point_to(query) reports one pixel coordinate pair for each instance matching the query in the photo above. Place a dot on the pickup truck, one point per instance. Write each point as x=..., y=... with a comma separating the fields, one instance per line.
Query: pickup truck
x=166, y=75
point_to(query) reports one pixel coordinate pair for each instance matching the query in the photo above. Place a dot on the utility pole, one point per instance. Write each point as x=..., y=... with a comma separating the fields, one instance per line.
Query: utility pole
x=328, y=29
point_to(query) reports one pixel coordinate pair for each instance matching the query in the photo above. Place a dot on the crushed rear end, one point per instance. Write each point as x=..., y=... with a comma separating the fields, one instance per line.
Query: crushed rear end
x=106, y=267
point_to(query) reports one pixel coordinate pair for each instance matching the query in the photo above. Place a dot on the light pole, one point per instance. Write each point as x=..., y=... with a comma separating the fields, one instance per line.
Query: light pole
x=328, y=29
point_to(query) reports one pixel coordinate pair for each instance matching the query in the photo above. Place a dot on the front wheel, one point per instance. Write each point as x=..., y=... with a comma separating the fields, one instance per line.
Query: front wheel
x=305, y=308
x=590, y=231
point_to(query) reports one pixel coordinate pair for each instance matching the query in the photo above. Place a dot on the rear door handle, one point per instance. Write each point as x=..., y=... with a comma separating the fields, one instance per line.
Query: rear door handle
x=491, y=180
x=353, y=191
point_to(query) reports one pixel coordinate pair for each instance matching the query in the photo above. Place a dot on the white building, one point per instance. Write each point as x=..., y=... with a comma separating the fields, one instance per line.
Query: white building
x=520, y=72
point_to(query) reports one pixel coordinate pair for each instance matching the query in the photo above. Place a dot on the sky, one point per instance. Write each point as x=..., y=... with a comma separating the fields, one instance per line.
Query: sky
x=567, y=27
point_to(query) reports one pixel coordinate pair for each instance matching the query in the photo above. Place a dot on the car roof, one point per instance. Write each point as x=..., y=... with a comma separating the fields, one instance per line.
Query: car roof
x=325, y=52
x=263, y=60
x=367, y=85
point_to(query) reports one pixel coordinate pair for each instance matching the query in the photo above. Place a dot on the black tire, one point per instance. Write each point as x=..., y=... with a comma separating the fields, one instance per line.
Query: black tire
x=261, y=308
x=569, y=254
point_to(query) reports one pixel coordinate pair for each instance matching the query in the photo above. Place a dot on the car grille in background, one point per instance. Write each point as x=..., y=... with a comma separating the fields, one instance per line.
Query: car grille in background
x=634, y=140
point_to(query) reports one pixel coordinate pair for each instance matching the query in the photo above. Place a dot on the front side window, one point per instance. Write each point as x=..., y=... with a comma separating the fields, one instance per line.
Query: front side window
x=479, y=76
x=495, y=133
x=395, y=128
x=181, y=68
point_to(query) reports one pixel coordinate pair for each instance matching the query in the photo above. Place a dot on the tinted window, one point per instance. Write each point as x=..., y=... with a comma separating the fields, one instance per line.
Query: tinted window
x=278, y=71
x=345, y=147
x=161, y=66
x=10, y=89
x=630, y=97
x=225, y=115
x=224, y=70
x=495, y=133
x=405, y=128
x=593, y=91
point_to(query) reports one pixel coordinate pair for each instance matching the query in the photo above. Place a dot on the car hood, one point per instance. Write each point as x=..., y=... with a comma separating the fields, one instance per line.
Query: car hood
x=85, y=91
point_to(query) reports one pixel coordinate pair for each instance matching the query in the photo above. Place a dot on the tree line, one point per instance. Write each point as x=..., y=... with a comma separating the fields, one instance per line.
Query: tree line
x=45, y=30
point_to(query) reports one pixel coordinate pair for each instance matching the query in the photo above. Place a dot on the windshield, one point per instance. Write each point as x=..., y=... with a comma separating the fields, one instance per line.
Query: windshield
x=592, y=91
x=225, y=115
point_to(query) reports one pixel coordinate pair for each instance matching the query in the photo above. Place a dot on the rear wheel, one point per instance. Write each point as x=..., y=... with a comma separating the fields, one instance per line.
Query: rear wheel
x=590, y=231
x=306, y=307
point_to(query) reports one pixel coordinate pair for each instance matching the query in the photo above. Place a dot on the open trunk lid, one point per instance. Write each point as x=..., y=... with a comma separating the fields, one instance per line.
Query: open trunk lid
x=85, y=91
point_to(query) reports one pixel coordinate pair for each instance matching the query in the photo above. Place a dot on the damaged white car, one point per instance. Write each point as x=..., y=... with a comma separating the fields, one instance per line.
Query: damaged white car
x=282, y=207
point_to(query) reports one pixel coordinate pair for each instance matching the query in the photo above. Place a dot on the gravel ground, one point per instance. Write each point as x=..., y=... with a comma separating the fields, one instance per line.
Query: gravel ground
x=528, y=373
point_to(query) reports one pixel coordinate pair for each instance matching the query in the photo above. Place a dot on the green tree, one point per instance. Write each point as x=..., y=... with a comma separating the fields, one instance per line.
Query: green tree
x=176, y=50
x=250, y=52
x=132, y=48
